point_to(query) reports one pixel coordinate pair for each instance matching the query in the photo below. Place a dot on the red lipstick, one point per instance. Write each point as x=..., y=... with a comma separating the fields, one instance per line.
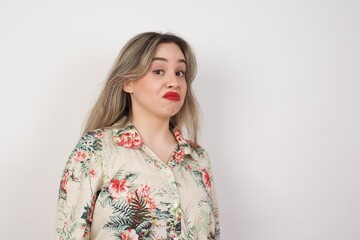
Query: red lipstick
x=172, y=96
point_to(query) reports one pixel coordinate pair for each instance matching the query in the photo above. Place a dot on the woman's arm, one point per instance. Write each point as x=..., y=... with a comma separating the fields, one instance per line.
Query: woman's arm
x=214, y=204
x=80, y=182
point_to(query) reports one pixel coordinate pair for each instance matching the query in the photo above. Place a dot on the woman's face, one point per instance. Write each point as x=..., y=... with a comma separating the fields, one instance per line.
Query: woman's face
x=161, y=91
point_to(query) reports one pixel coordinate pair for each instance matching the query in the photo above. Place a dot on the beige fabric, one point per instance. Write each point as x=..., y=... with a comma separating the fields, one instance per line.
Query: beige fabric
x=115, y=187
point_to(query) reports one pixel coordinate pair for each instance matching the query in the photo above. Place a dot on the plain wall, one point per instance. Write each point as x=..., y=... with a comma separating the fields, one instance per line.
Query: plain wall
x=278, y=83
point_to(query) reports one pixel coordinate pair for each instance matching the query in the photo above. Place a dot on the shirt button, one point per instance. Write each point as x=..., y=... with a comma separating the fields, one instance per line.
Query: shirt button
x=175, y=205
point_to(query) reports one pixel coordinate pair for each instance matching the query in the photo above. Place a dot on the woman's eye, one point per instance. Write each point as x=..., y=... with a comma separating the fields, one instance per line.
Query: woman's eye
x=158, y=71
x=180, y=74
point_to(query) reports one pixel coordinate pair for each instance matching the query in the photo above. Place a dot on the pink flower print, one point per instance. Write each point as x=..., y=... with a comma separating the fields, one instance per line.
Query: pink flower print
x=206, y=178
x=85, y=232
x=80, y=156
x=92, y=173
x=64, y=181
x=129, y=234
x=145, y=193
x=151, y=204
x=145, y=190
x=178, y=135
x=128, y=139
x=179, y=155
x=118, y=188
x=99, y=135
x=89, y=218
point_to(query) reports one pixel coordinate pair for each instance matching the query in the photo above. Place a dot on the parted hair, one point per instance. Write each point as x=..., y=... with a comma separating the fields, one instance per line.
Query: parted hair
x=114, y=104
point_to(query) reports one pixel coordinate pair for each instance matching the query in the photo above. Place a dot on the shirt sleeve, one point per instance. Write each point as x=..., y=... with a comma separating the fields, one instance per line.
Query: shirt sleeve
x=209, y=184
x=79, y=186
x=215, y=205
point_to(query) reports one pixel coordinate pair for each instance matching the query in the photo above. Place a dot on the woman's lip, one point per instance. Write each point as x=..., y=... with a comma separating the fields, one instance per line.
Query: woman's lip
x=172, y=96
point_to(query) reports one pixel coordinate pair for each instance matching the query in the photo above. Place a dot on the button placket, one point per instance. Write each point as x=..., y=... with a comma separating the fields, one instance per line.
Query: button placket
x=175, y=207
x=172, y=183
x=167, y=170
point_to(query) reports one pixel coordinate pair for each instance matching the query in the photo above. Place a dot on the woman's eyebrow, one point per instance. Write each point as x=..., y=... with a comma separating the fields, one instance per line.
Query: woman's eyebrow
x=165, y=60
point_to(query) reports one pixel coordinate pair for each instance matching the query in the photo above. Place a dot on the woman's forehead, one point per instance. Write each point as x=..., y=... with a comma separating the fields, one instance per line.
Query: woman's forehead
x=168, y=52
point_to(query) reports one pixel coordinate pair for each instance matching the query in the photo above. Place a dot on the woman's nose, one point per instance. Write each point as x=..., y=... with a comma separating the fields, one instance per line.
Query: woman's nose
x=172, y=81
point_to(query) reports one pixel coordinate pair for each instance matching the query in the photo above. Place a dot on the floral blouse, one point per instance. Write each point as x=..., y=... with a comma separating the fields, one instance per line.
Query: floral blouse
x=115, y=187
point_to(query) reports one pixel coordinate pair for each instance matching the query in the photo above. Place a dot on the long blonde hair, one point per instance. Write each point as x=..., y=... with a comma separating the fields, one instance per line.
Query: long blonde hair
x=114, y=104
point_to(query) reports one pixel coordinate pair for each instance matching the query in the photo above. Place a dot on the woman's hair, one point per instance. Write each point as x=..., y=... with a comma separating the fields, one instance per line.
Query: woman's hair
x=114, y=104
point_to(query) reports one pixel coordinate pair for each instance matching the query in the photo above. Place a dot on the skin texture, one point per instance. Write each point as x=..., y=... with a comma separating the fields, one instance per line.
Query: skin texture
x=150, y=111
x=166, y=73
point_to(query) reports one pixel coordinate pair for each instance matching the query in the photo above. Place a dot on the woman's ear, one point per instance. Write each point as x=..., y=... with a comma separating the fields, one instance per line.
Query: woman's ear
x=129, y=86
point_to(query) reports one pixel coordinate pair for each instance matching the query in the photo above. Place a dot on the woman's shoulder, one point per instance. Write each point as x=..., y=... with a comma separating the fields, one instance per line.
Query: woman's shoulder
x=109, y=136
x=190, y=147
x=197, y=152
x=94, y=140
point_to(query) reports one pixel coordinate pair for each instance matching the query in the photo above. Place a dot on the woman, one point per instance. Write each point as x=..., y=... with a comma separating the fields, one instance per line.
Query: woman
x=133, y=175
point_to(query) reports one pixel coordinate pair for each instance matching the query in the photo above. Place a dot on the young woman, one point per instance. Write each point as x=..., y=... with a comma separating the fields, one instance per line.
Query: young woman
x=133, y=175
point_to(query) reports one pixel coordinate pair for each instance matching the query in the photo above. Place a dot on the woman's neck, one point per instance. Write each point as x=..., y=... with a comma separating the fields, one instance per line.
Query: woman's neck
x=153, y=131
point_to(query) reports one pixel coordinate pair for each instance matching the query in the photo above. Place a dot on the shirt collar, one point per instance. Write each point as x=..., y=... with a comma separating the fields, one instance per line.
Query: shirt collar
x=129, y=137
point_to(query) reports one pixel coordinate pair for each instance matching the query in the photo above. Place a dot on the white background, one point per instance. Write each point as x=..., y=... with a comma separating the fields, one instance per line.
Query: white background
x=278, y=82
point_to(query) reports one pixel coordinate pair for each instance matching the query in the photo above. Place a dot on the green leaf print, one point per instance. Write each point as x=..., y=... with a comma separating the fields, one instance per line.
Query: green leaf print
x=131, y=214
x=141, y=212
x=86, y=212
